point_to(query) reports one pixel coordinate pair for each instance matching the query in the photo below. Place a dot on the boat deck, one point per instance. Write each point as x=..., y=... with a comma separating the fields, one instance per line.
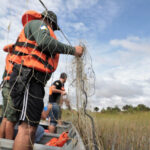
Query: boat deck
x=74, y=143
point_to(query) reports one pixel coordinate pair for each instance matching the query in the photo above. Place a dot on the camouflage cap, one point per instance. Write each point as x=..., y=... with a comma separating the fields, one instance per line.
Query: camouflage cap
x=51, y=16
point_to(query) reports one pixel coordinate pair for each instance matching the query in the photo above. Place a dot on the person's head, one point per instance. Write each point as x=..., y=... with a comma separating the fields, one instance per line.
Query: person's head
x=51, y=19
x=63, y=77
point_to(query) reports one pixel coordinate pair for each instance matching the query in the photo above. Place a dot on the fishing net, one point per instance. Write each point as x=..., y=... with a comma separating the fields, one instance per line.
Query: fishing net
x=84, y=84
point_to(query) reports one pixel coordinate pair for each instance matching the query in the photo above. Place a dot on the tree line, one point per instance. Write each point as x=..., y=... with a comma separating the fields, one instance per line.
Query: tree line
x=125, y=108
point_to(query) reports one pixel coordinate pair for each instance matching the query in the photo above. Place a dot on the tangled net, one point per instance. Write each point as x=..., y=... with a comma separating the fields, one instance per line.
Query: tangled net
x=83, y=82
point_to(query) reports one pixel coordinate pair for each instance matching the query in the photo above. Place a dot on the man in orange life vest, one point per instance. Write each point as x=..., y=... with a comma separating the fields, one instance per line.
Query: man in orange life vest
x=38, y=50
x=9, y=113
x=55, y=92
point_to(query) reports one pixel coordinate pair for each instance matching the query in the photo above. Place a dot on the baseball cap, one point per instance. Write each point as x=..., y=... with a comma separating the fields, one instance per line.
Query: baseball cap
x=51, y=16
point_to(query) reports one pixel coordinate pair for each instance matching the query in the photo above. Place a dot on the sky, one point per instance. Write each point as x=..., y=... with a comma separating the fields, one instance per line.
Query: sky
x=116, y=34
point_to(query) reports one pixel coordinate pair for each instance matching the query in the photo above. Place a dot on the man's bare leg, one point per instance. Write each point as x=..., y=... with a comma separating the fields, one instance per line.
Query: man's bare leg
x=9, y=130
x=25, y=137
x=2, y=128
x=51, y=128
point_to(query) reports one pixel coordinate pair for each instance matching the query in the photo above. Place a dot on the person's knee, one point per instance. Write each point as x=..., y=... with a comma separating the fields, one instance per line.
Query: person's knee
x=10, y=124
x=26, y=129
x=4, y=120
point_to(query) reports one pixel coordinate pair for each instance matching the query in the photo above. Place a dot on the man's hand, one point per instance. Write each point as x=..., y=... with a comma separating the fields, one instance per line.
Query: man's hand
x=79, y=51
x=63, y=93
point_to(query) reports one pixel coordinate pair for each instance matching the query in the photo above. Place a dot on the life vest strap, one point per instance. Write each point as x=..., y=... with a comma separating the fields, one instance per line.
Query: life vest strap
x=45, y=63
x=11, y=62
x=24, y=44
x=18, y=53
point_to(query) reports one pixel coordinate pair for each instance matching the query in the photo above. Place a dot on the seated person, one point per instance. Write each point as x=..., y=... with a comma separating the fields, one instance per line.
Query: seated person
x=46, y=111
x=39, y=134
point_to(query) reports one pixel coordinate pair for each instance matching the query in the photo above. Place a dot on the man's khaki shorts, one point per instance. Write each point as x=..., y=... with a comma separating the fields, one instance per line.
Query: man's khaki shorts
x=8, y=111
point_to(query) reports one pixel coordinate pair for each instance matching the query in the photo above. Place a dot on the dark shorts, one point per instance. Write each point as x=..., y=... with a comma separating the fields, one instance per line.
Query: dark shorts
x=54, y=114
x=9, y=111
x=27, y=95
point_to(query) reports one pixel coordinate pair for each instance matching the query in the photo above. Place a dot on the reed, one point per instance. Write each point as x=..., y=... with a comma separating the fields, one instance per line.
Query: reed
x=118, y=131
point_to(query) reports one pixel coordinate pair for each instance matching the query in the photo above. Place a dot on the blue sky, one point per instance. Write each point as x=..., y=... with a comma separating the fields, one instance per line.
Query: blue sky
x=132, y=20
x=114, y=19
x=117, y=36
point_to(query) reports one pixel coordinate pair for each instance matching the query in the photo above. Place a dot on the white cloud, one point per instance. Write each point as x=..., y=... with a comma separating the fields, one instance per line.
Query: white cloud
x=114, y=87
x=122, y=71
x=133, y=43
x=79, y=25
x=79, y=4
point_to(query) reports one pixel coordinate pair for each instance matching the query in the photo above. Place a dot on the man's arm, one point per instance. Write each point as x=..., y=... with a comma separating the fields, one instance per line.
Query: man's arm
x=54, y=90
x=45, y=114
x=40, y=33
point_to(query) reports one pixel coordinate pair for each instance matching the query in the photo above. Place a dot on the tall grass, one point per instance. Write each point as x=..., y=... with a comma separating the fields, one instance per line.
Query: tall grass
x=119, y=131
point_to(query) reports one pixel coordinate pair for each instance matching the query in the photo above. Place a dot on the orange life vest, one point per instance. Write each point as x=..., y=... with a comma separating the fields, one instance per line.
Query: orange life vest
x=8, y=48
x=59, y=142
x=31, y=55
x=50, y=91
x=29, y=16
x=9, y=65
x=63, y=89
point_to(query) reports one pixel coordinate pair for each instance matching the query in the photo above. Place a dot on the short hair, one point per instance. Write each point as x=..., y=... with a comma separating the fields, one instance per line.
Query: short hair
x=63, y=75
